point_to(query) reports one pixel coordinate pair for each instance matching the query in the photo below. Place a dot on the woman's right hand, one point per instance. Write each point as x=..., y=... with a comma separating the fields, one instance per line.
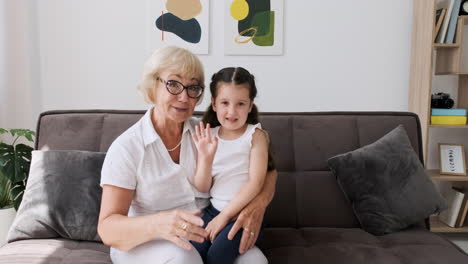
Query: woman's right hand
x=205, y=143
x=178, y=226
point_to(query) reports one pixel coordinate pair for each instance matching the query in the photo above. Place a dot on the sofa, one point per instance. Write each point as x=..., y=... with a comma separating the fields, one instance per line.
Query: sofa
x=310, y=220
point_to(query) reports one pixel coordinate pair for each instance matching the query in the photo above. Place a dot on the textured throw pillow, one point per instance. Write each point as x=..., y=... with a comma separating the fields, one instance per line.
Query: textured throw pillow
x=62, y=197
x=387, y=184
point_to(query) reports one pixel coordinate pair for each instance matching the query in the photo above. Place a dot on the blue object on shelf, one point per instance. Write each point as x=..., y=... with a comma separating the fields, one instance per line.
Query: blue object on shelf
x=448, y=112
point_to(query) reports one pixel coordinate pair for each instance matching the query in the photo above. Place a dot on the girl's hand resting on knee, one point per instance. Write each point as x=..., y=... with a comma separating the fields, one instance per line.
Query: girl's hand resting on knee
x=215, y=226
x=178, y=226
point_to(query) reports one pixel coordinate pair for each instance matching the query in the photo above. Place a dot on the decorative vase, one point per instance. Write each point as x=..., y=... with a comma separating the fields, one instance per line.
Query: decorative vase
x=7, y=215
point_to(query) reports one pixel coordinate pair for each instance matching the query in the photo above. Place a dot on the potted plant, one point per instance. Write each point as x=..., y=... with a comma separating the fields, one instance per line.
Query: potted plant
x=15, y=160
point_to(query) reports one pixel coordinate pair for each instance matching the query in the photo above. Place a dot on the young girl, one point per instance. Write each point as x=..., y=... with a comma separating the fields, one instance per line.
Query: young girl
x=232, y=164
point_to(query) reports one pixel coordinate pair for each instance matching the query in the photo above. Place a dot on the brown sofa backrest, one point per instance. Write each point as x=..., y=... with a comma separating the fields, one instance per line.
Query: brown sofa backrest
x=307, y=194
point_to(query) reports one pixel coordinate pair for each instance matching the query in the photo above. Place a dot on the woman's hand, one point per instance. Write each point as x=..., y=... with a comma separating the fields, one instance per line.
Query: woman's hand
x=178, y=226
x=250, y=220
x=205, y=143
x=215, y=226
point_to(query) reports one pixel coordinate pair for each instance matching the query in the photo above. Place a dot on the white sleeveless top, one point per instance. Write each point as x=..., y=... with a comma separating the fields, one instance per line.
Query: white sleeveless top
x=230, y=166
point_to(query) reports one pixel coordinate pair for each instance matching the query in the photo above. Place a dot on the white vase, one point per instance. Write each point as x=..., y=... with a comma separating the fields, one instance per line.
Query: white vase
x=6, y=219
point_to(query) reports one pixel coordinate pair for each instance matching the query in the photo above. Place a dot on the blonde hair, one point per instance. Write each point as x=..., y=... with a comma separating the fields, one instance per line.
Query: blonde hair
x=169, y=58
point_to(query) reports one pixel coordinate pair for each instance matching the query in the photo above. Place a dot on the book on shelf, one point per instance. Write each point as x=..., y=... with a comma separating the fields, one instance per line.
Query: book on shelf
x=440, y=15
x=462, y=213
x=454, y=199
x=453, y=22
x=443, y=31
x=448, y=120
x=448, y=112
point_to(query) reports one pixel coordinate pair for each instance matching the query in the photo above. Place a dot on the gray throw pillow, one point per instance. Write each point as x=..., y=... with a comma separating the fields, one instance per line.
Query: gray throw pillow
x=62, y=197
x=387, y=184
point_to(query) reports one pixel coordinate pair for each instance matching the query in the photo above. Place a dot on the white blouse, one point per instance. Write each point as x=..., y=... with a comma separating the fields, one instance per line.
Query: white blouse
x=138, y=160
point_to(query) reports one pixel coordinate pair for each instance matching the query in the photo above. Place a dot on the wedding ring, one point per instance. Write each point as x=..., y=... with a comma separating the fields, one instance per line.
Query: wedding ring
x=246, y=229
x=252, y=233
x=183, y=226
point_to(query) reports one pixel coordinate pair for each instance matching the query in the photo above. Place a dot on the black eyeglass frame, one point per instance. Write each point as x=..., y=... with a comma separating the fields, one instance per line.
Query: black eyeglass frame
x=188, y=88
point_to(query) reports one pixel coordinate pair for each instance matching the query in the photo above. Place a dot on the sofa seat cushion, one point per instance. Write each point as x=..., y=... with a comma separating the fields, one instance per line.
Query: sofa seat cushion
x=51, y=251
x=355, y=246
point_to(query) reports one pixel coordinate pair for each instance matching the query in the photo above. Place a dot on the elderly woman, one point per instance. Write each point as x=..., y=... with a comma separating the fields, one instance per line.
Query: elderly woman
x=149, y=208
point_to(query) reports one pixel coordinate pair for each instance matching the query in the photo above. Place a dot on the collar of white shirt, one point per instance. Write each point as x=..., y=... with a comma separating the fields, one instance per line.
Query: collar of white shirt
x=149, y=133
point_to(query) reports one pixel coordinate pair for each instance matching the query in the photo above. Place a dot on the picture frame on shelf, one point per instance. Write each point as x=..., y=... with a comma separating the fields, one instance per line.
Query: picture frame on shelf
x=452, y=159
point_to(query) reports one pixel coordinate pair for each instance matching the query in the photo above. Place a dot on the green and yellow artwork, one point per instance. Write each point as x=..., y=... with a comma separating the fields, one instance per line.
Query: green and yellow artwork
x=254, y=27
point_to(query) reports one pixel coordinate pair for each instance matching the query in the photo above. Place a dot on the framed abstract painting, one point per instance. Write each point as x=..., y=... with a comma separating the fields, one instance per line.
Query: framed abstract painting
x=253, y=27
x=184, y=23
x=452, y=159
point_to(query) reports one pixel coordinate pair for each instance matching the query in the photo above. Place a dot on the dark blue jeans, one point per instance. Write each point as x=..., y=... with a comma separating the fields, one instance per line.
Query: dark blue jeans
x=222, y=250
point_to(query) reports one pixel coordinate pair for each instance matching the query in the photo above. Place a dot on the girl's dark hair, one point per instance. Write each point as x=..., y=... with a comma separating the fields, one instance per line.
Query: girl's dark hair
x=236, y=75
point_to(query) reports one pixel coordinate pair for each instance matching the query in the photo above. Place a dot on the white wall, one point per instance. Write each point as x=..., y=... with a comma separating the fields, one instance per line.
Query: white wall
x=350, y=55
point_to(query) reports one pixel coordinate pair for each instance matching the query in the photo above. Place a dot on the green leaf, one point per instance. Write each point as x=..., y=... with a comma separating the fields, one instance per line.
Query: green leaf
x=7, y=161
x=26, y=133
x=29, y=137
x=17, y=202
x=15, y=162
x=22, y=162
x=3, y=131
x=5, y=193
x=17, y=194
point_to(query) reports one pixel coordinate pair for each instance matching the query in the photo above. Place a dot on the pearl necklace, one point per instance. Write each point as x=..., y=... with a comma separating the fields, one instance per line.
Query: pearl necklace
x=174, y=148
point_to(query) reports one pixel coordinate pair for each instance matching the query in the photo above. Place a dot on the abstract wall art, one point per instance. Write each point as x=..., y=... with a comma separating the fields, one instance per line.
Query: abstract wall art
x=183, y=23
x=253, y=27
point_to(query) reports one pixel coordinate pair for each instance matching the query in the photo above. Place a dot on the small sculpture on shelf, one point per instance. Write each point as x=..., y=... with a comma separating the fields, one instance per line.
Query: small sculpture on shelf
x=441, y=100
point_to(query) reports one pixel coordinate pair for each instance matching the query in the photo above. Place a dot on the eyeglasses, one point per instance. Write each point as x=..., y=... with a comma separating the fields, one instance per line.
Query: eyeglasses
x=175, y=88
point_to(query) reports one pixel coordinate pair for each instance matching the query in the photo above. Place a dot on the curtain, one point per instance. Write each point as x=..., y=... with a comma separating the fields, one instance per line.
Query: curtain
x=20, y=97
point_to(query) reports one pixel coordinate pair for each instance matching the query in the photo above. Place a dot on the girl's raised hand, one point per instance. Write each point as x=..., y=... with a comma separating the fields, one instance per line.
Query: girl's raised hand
x=206, y=143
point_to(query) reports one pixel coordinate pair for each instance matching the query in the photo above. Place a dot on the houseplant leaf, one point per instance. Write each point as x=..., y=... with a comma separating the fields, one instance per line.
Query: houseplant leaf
x=7, y=161
x=5, y=196
x=22, y=162
x=17, y=194
x=15, y=160
x=26, y=133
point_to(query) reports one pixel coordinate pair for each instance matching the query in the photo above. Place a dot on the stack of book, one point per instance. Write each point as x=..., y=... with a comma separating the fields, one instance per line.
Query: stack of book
x=446, y=21
x=455, y=215
x=455, y=116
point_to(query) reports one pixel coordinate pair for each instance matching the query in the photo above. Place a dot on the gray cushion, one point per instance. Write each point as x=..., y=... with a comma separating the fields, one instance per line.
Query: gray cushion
x=387, y=184
x=62, y=197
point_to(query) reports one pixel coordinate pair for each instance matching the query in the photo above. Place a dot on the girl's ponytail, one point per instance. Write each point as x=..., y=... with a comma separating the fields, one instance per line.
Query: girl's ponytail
x=209, y=117
x=252, y=117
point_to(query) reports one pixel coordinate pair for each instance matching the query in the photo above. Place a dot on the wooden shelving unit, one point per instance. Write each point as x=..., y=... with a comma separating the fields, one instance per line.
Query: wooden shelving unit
x=436, y=225
x=427, y=60
x=448, y=126
x=442, y=45
x=436, y=176
x=439, y=227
